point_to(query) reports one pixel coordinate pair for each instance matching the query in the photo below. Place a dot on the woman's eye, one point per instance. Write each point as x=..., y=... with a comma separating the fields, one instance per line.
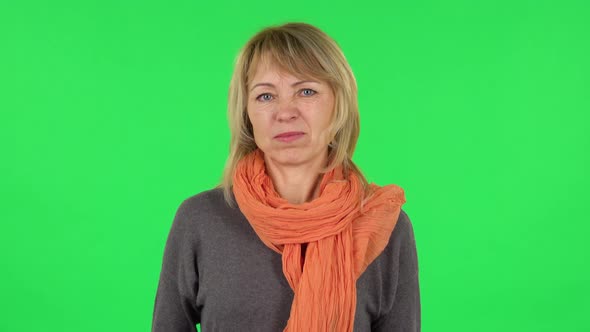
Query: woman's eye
x=264, y=95
x=308, y=92
x=267, y=96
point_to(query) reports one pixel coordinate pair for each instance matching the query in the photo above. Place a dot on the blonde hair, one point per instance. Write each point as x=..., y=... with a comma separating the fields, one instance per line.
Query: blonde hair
x=306, y=50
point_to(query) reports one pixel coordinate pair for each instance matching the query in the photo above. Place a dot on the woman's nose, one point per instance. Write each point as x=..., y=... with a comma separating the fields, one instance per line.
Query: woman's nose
x=287, y=110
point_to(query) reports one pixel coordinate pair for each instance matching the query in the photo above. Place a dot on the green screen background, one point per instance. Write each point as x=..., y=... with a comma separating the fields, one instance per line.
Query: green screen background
x=113, y=112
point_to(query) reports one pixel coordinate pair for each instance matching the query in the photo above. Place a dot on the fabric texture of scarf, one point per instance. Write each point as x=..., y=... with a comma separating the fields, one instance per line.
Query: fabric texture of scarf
x=343, y=233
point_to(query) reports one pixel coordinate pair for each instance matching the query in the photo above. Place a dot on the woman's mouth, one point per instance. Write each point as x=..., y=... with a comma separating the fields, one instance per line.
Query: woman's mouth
x=289, y=136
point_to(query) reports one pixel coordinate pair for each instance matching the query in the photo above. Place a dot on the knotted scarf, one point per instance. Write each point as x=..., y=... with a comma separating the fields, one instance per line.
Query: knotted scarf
x=343, y=232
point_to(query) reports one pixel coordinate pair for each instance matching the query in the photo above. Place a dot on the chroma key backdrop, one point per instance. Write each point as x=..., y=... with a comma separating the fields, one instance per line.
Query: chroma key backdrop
x=114, y=112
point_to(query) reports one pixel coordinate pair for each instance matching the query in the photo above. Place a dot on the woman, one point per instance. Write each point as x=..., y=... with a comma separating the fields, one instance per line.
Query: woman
x=294, y=238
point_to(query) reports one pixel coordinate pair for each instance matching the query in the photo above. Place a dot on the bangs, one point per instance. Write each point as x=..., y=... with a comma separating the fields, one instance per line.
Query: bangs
x=289, y=54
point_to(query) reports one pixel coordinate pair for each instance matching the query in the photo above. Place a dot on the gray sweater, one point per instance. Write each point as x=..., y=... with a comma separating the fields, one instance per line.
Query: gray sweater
x=217, y=272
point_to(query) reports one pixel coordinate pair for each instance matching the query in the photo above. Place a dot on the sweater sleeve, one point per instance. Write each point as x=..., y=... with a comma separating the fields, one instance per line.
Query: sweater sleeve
x=175, y=306
x=405, y=313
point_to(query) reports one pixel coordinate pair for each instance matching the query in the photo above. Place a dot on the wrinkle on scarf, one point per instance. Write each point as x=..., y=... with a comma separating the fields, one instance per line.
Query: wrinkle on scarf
x=343, y=233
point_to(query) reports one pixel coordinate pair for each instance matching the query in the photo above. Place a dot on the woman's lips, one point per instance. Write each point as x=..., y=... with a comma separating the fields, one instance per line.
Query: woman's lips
x=289, y=136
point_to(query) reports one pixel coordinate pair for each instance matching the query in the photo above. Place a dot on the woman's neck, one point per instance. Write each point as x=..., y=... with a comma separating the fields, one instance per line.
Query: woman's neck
x=297, y=184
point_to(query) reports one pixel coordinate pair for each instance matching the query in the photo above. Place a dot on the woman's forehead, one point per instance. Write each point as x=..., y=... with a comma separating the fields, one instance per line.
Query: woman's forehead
x=278, y=61
x=271, y=69
x=269, y=72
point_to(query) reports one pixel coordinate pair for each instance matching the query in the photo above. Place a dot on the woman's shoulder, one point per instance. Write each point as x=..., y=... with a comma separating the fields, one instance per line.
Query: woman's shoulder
x=403, y=232
x=204, y=198
x=207, y=201
x=205, y=205
x=402, y=246
x=403, y=227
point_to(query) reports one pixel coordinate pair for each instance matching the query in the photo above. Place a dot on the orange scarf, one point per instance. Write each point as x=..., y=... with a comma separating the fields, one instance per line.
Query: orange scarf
x=344, y=233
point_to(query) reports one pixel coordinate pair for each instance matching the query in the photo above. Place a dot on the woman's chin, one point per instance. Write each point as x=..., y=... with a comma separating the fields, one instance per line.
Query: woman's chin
x=288, y=156
x=292, y=156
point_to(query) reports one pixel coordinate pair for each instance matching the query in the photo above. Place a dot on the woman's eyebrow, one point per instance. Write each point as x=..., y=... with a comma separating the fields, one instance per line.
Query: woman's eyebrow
x=272, y=85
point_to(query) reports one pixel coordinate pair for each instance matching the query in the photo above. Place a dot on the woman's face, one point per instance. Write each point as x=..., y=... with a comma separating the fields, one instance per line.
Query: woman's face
x=290, y=116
